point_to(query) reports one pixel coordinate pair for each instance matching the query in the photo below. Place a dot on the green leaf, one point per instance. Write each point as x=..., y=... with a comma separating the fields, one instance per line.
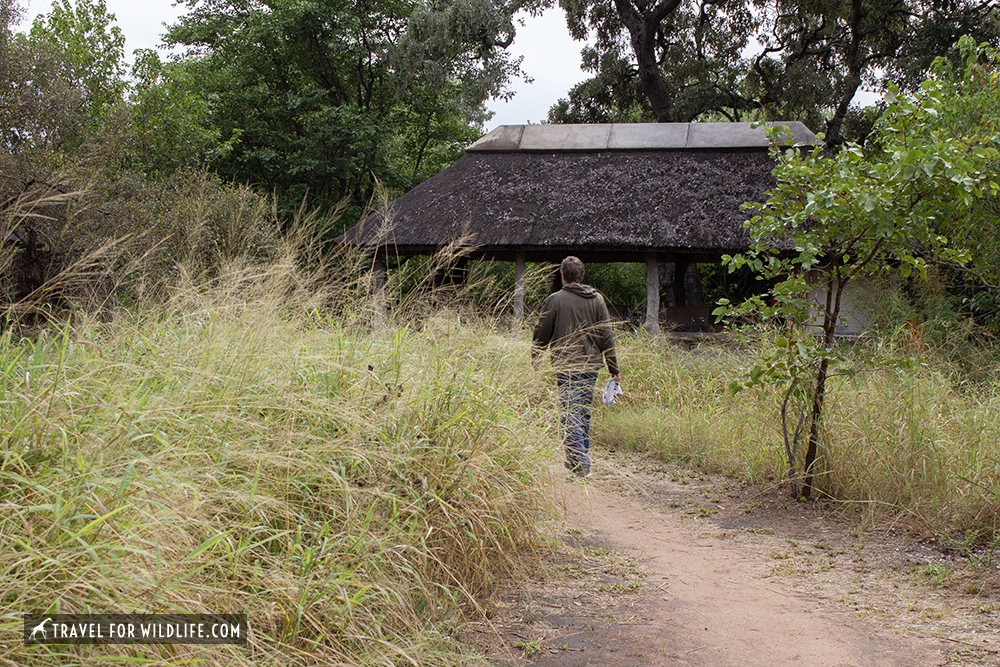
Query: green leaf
x=207, y=544
x=96, y=522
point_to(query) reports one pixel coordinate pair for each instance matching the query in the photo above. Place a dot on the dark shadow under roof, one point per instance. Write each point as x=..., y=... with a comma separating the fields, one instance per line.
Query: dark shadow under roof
x=602, y=192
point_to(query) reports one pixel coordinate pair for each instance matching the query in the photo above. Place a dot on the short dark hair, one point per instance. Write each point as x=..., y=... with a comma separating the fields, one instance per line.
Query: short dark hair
x=571, y=269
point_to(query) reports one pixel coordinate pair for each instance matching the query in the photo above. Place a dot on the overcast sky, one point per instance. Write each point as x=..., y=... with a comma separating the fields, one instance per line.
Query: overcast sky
x=551, y=58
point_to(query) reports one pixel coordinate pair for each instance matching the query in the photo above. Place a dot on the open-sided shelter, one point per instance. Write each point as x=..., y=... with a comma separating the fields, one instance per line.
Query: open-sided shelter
x=652, y=193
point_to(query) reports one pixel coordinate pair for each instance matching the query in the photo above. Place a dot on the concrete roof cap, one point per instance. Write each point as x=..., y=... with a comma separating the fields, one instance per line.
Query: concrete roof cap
x=565, y=137
x=635, y=136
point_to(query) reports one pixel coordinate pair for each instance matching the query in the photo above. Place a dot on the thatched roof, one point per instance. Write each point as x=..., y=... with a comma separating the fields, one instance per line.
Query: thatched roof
x=601, y=192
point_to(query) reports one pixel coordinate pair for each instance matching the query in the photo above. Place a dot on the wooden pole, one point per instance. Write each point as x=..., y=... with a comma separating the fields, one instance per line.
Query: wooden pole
x=652, y=294
x=519, y=288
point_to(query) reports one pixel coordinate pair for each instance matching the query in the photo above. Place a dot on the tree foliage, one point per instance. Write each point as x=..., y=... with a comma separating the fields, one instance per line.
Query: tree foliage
x=91, y=50
x=99, y=172
x=329, y=98
x=666, y=62
x=170, y=119
x=861, y=214
x=765, y=60
x=63, y=79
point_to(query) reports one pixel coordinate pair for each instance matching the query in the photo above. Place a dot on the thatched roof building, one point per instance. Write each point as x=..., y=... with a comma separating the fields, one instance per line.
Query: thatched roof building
x=607, y=193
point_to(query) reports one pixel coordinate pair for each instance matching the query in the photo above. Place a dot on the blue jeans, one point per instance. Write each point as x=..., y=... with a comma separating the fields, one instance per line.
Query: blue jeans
x=576, y=393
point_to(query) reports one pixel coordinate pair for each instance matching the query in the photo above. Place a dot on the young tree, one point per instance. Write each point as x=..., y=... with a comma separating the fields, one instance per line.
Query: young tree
x=861, y=214
x=61, y=80
x=91, y=51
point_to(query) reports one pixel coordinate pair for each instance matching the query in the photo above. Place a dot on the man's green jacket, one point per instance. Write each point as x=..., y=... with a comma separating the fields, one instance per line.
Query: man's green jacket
x=575, y=322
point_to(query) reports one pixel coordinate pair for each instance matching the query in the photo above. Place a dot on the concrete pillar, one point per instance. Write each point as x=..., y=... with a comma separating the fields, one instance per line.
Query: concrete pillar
x=652, y=295
x=378, y=295
x=519, y=288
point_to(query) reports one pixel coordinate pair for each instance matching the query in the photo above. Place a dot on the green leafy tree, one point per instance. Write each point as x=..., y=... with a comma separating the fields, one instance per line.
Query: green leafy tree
x=171, y=124
x=669, y=61
x=61, y=81
x=942, y=24
x=90, y=49
x=330, y=98
x=975, y=106
x=860, y=214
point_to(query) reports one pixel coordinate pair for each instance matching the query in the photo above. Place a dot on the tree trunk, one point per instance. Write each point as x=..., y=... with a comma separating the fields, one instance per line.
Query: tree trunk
x=831, y=313
x=834, y=125
x=814, y=421
x=642, y=29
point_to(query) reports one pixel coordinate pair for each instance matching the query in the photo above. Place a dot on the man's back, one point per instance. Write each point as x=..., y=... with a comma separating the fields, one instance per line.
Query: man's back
x=575, y=322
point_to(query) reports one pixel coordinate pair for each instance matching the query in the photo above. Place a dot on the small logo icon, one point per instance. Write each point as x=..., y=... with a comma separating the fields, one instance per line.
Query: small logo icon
x=40, y=628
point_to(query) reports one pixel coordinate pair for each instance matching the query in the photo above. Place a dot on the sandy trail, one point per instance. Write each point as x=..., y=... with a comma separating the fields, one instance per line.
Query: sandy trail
x=705, y=602
x=653, y=564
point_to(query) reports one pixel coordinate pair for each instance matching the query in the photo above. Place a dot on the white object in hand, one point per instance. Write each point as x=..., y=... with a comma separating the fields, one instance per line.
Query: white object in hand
x=612, y=390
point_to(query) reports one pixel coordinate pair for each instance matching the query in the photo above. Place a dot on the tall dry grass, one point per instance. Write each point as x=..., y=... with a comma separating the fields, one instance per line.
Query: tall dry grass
x=248, y=442
x=354, y=465
x=908, y=445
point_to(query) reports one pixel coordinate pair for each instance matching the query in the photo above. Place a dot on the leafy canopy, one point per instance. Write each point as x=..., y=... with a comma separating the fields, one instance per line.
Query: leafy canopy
x=330, y=98
x=865, y=212
x=62, y=80
x=765, y=60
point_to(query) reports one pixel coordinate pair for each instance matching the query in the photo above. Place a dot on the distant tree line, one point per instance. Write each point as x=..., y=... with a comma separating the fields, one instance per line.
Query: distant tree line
x=322, y=101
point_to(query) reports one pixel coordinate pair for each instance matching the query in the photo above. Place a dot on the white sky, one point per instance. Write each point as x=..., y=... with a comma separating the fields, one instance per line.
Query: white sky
x=551, y=58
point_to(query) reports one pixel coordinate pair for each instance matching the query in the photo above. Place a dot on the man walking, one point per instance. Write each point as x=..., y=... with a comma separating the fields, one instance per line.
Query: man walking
x=576, y=324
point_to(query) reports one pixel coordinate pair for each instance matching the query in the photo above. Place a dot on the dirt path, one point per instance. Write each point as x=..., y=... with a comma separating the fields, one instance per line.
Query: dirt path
x=665, y=567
